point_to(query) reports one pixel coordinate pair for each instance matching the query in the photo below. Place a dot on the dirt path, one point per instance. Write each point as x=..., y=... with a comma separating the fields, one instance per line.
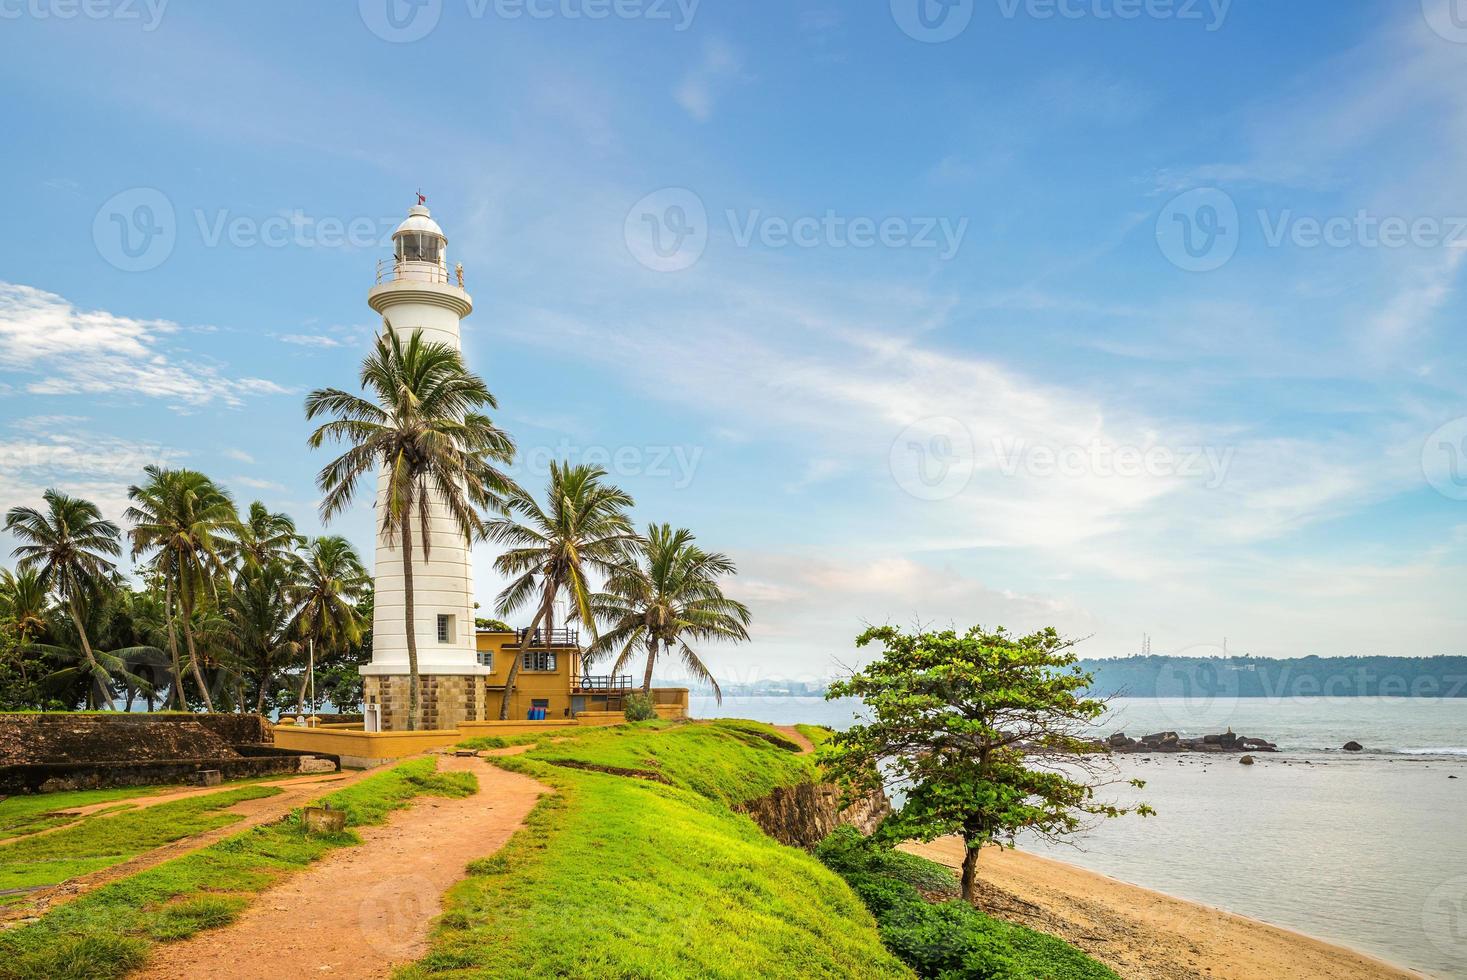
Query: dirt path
x=361, y=911
x=254, y=812
x=1147, y=935
x=795, y=735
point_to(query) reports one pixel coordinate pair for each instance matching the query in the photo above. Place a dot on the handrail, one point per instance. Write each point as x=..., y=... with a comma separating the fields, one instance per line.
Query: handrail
x=561, y=636
x=603, y=682
x=396, y=270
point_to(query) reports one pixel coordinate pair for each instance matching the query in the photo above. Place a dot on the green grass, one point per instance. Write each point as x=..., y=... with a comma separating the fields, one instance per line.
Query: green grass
x=107, y=932
x=948, y=939
x=27, y=814
x=505, y=741
x=729, y=761
x=102, y=840
x=623, y=877
x=817, y=734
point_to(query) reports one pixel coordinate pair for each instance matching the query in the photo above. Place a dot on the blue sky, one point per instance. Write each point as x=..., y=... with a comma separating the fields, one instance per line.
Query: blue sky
x=1118, y=316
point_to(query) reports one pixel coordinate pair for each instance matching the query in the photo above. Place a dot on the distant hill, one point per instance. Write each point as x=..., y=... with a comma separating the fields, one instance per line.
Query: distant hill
x=1258, y=677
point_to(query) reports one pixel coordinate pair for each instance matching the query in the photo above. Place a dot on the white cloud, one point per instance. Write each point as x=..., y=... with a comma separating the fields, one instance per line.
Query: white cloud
x=42, y=453
x=257, y=484
x=238, y=455
x=698, y=89
x=312, y=340
x=73, y=351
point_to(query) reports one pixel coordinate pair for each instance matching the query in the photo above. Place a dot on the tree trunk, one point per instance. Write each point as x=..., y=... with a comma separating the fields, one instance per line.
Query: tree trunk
x=514, y=665
x=414, y=694
x=96, y=685
x=260, y=700
x=193, y=656
x=970, y=870
x=647, y=675
x=177, y=694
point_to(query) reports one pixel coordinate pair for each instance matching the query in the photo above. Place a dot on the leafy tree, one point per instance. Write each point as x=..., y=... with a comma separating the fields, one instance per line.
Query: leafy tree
x=424, y=428
x=263, y=537
x=23, y=613
x=331, y=582
x=989, y=732
x=258, y=613
x=552, y=549
x=188, y=522
x=669, y=597
x=70, y=547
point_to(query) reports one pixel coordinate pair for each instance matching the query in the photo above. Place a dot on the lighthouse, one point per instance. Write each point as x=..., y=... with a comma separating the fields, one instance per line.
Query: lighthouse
x=417, y=290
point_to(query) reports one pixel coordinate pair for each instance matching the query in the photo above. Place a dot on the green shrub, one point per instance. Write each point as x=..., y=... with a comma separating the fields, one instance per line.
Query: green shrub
x=948, y=940
x=640, y=707
x=846, y=850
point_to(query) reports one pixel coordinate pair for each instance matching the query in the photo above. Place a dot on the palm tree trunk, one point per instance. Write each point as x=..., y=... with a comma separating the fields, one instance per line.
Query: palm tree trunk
x=86, y=645
x=193, y=656
x=177, y=693
x=415, y=706
x=651, y=659
x=514, y=665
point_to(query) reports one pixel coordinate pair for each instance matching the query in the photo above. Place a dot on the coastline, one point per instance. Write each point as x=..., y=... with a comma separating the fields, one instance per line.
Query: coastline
x=1149, y=935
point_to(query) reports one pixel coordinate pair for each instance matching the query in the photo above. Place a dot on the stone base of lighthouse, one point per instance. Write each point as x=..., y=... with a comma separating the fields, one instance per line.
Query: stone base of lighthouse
x=447, y=699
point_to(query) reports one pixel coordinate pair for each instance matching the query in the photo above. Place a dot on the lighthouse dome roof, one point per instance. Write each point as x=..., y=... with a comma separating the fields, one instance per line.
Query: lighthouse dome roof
x=419, y=220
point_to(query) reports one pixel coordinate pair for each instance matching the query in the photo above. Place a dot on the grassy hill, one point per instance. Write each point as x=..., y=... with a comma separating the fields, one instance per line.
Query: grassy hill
x=638, y=867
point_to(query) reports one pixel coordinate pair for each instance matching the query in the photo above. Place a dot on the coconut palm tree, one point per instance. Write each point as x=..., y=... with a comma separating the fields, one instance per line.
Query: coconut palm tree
x=672, y=596
x=70, y=547
x=583, y=529
x=258, y=613
x=330, y=580
x=263, y=537
x=189, y=524
x=22, y=609
x=424, y=428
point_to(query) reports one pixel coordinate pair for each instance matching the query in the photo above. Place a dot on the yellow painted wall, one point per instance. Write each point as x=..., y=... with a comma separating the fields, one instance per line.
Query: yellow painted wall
x=554, y=686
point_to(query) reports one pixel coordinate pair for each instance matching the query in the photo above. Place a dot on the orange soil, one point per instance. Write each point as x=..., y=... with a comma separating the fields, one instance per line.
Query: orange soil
x=361, y=911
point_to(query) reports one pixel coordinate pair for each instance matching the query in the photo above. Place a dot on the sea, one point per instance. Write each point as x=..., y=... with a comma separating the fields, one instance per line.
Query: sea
x=1368, y=849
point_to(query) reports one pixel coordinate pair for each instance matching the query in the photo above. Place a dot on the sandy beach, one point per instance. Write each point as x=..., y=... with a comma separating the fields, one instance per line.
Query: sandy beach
x=1145, y=934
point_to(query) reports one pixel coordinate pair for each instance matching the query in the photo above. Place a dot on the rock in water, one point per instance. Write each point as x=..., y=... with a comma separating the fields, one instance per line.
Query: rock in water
x=1354, y=747
x=1247, y=760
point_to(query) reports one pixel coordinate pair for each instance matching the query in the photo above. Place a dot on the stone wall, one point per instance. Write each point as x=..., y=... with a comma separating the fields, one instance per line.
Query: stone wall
x=803, y=815
x=46, y=752
x=447, y=700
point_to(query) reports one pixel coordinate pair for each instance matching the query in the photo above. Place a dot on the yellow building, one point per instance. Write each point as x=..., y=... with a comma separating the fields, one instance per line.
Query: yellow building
x=553, y=677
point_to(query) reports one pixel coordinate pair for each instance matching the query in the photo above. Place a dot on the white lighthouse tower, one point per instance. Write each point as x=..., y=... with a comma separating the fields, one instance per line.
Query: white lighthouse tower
x=417, y=291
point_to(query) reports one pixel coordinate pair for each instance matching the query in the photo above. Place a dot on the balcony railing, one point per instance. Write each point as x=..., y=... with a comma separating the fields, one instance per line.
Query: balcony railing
x=609, y=683
x=392, y=270
x=561, y=636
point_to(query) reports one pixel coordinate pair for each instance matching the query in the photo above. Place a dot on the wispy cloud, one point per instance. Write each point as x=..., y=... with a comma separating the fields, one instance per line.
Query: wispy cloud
x=70, y=351
x=700, y=87
x=257, y=484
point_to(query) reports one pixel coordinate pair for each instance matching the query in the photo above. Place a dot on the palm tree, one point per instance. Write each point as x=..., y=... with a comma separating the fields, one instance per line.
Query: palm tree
x=263, y=537
x=330, y=580
x=22, y=609
x=258, y=614
x=584, y=529
x=70, y=548
x=671, y=597
x=187, y=520
x=423, y=428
